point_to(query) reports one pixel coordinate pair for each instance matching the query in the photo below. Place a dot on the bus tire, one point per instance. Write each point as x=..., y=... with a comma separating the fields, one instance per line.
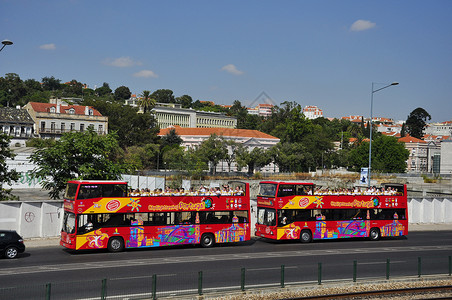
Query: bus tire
x=374, y=234
x=116, y=244
x=306, y=236
x=207, y=240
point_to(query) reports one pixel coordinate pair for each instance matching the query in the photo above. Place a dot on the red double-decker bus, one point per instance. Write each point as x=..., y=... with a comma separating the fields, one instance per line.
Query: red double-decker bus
x=101, y=214
x=298, y=211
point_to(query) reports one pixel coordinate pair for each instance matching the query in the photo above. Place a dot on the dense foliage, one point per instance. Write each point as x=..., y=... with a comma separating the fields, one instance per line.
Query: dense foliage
x=305, y=145
x=82, y=155
x=7, y=176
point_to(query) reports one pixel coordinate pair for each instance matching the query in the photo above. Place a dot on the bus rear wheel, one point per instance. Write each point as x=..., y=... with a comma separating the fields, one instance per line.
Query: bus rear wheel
x=116, y=244
x=207, y=240
x=374, y=234
x=306, y=236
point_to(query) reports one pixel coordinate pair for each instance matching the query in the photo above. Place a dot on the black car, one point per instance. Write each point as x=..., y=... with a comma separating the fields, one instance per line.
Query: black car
x=11, y=243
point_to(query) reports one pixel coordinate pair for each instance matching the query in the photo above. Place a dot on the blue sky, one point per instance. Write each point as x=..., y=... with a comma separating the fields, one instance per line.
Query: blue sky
x=323, y=53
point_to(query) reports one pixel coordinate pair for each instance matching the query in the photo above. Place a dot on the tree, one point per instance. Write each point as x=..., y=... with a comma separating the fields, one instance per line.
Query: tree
x=146, y=101
x=104, y=90
x=171, y=138
x=185, y=100
x=13, y=90
x=6, y=176
x=174, y=158
x=388, y=155
x=416, y=122
x=255, y=158
x=403, y=130
x=73, y=88
x=213, y=150
x=163, y=96
x=51, y=84
x=132, y=128
x=142, y=157
x=81, y=155
x=292, y=157
x=122, y=93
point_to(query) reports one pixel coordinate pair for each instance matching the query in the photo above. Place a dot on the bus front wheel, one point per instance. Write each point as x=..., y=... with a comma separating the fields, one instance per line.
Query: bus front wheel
x=374, y=234
x=116, y=244
x=306, y=236
x=207, y=240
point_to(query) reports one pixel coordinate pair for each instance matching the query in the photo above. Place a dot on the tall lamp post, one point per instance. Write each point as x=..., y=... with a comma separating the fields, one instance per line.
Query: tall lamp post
x=371, y=116
x=5, y=43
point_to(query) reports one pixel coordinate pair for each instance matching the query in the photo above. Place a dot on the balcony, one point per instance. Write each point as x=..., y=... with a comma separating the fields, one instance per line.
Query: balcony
x=61, y=131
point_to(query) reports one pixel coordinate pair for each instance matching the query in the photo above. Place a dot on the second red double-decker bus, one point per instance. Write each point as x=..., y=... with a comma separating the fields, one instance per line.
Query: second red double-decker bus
x=100, y=214
x=298, y=211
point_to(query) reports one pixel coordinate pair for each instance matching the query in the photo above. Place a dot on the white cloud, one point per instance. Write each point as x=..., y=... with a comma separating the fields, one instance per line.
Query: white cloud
x=146, y=73
x=48, y=47
x=121, y=62
x=232, y=69
x=361, y=25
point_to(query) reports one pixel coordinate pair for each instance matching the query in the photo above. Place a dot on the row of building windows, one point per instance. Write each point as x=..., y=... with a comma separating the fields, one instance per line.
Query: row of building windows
x=209, y=121
x=18, y=131
x=62, y=128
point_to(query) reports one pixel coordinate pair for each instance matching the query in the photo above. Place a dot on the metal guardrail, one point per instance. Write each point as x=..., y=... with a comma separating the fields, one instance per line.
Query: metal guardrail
x=199, y=283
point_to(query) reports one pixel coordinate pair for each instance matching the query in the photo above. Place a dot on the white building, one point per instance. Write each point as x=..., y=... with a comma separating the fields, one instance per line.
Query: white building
x=18, y=124
x=263, y=110
x=439, y=129
x=171, y=114
x=53, y=119
x=312, y=112
x=193, y=137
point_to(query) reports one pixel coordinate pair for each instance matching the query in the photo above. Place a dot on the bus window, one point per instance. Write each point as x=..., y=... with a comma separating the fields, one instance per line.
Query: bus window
x=184, y=217
x=267, y=190
x=114, y=190
x=266, y=216
x=302, y=190
x=141, y=219
x=286, y=190
x=242, y=216
x=88, y=191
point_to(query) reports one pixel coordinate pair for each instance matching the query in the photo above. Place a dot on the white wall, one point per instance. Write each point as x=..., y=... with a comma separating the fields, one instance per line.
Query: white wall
x=32, y=218
x=430, y=210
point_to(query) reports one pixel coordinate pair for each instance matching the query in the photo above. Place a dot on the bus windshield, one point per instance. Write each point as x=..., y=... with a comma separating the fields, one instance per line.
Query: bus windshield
x=68, y=222
x=267, y=189
x=71, y=190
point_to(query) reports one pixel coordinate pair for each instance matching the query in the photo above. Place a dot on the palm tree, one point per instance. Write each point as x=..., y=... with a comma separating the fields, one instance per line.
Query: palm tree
x=146, y=101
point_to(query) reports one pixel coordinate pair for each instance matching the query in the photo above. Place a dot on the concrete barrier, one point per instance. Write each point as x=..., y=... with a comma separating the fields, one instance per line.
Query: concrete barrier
x=34, y=219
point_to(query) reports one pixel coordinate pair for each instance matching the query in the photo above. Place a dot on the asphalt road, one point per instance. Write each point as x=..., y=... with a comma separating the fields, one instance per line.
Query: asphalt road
x=79, y=275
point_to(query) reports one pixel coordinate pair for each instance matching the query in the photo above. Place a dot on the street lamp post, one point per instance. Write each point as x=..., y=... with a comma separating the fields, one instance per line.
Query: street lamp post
x=371, y=116
x=5, y=43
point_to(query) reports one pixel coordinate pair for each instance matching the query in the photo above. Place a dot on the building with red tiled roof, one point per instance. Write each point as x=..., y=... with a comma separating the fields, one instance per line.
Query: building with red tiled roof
x=388, y=129
x=439, y=129
x=354, y=119
x=418, y=161
x=312, y=112
x=264, y=110
x=53, y=119
x=193, y=137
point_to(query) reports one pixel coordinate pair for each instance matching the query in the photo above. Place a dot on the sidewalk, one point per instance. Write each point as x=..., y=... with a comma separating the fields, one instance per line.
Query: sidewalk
x=55, y=241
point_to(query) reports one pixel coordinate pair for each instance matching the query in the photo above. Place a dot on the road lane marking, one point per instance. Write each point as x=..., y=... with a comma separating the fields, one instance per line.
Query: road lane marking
x=204, y=258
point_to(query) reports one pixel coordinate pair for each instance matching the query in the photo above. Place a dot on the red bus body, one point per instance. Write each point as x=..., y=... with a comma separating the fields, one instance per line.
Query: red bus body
x=150, y=221
x=292, y=211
